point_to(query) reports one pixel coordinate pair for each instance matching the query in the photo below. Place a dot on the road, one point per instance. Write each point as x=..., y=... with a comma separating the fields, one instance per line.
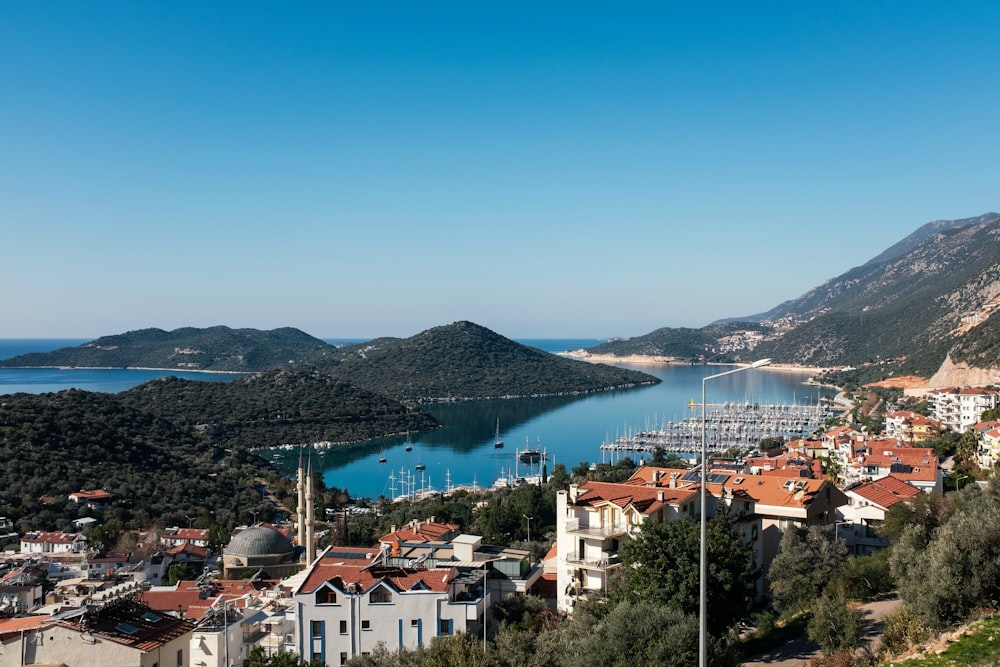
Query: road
x=799, y=652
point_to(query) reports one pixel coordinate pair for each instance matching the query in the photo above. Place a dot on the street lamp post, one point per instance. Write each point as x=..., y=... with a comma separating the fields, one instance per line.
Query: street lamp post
x=529, y=518
x=958, y=479
x=703, y=558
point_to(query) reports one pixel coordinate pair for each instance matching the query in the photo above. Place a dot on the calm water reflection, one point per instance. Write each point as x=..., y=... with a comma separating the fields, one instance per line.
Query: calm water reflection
x=570, y=430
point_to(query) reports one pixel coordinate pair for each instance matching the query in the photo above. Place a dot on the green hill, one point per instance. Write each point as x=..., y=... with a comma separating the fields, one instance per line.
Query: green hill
x=189, y=349
x=681, y=343
x=466, y=361
x=56, y=444
x=277, y=407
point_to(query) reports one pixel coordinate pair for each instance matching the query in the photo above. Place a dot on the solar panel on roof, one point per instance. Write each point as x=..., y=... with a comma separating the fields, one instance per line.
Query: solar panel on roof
x=713, y=477
x=126, y=628
x=151, y=617
x=346, y=554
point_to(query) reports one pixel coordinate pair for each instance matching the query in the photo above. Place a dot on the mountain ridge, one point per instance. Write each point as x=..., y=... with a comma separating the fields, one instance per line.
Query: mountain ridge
x=930, y=297
x=459, y=361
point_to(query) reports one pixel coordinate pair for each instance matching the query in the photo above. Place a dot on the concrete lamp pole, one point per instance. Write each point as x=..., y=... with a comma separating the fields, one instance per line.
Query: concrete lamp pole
x=703, y=558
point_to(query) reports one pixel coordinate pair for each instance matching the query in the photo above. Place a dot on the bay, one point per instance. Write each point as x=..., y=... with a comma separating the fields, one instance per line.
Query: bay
x=462, y=452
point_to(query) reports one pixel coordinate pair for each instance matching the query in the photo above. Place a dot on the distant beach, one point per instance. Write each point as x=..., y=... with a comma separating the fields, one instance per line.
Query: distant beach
x=652, y=360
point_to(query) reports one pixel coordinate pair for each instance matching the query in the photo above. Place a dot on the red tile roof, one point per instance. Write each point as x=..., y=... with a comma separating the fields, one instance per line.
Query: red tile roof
x=421, y=531
x=13, y=626
x=98, y=494
x=886, y=491
x=341, y=574
x=50, y=538
x=130, y=624
x=645, y=499
x=192, y=550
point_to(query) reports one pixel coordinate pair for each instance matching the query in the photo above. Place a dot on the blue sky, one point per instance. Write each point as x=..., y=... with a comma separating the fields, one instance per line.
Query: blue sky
x=542, y=169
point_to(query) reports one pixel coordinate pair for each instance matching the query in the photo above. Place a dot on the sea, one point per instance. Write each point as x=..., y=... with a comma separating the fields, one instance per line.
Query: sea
x=463, y=452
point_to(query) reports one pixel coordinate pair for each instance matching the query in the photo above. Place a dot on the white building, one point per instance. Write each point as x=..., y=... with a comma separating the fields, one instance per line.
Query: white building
x=989, y=445
x=867, y=503
x=403, y=595
x=958, y=409
x=594, y=519
x=52, y=543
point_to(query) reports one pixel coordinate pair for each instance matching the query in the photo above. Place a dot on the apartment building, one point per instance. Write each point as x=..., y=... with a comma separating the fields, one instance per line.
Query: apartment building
x=960, y=408
x=594, y=519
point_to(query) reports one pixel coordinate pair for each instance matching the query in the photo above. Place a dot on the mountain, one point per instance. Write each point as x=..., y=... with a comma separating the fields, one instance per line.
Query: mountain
x=930, y=297
x=683, y=343
x=933, y=259
x=276, y=407
x=467, y=361
x=189, y=349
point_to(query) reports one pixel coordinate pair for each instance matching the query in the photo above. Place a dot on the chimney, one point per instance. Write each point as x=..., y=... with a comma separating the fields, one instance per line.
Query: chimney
x=673, y=479
x=660, y=496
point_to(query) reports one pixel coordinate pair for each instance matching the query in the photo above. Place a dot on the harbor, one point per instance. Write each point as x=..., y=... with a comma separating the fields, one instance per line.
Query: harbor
x=726, y=425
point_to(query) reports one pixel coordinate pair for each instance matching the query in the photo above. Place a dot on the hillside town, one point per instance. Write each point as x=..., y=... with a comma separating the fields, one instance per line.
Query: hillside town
x=268, y=591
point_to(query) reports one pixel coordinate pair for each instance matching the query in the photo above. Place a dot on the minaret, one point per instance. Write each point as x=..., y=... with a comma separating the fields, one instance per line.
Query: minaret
x=300, y=511
x=310, y=515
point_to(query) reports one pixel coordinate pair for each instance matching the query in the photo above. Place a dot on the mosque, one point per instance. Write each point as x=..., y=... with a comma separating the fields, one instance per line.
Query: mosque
x=264, y=548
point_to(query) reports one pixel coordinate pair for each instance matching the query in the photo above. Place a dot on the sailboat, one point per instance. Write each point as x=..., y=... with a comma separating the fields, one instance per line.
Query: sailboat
x=381, y=456
x=409, y=445
x=528, y=455
x=497, y=442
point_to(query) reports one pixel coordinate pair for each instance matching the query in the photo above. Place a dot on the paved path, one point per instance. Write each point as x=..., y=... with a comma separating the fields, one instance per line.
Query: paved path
x=798, y=652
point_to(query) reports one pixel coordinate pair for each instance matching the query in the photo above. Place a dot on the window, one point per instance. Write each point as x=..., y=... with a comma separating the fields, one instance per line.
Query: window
x=366, y=625
x=414, y=622
x=326, y=596
x=180, y=658
x=444, y=626
x=380, y=595
x=316, y=628
x=343, y=627
x=343, y=657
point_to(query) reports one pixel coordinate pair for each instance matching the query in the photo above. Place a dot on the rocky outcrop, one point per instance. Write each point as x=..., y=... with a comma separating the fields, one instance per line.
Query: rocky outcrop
x=951, y=374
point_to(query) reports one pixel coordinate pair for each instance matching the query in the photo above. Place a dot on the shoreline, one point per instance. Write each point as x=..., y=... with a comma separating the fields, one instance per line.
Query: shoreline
x=654, y=360
x=128, y=368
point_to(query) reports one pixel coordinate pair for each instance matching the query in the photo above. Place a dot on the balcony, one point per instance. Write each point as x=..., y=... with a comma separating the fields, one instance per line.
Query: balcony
x=605, y=562
x=606, y=532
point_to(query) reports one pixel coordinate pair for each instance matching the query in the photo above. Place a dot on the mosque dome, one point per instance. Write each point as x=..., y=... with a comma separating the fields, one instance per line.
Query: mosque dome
x=259, y=542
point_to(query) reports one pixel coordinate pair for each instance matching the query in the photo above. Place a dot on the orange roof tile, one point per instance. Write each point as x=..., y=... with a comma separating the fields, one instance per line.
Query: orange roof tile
x=886, y=491
x=340, y=574
x=421, y=531
x=645, y=499
x=16, y=625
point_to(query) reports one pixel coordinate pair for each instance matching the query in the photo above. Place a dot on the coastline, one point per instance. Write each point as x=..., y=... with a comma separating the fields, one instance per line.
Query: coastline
x=652, y=360
x=131, y=368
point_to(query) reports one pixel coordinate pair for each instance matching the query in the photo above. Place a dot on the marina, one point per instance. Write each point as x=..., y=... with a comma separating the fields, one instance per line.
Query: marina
x=726, y=425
